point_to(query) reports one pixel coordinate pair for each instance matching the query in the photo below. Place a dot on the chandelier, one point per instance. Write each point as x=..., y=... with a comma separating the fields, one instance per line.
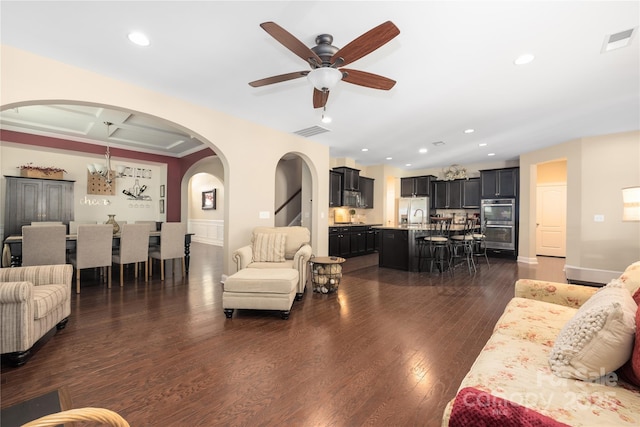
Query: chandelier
x=103, y=170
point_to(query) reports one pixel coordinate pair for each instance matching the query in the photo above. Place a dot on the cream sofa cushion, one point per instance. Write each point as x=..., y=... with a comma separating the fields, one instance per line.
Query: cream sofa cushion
x=268, y=247
x=295, y=238
x=273, y=281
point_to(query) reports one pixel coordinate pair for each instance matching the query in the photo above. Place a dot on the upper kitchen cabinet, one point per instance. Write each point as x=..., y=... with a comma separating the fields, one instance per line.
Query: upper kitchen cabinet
x=416, y=186
x=446, y=194
x=471, y=193
x=499, y=182
x=335, y=189
x=35, y=200
x=350, y=178
x=366, y=192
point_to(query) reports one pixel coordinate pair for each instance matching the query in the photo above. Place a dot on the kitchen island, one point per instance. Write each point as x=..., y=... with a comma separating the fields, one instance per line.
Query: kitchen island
x=398, y=247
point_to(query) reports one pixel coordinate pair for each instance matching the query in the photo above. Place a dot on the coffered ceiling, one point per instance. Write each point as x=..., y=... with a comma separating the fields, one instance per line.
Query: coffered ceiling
x=453, y=62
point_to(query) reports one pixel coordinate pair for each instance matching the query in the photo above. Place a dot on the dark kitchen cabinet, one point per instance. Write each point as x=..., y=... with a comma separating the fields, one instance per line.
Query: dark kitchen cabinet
x=33, y=200
x=416, y=186
x=446, y=194
x=471, y=193
x=499, y=183
x=366, y=192
x=353, y=240
x=358, y=240
x=339, y=242
x=335, y=189
x=394, y=249
x=350, y=178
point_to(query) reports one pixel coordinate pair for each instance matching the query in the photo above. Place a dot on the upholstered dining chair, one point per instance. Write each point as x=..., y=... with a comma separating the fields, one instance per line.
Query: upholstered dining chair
x=93, y=249
x=171, y=246
x=44, y=244
x=73, y=225
x=151, y=224
x=134, y=248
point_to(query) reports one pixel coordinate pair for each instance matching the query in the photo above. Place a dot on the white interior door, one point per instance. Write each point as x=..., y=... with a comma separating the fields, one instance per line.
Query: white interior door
x=551, y=220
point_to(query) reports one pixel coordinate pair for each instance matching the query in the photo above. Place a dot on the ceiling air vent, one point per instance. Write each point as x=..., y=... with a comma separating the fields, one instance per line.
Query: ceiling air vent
x=313, y=130
x=618, y=40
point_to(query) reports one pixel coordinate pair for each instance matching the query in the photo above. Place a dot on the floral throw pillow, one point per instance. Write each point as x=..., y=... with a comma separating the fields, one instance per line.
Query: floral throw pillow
x=269, y=247
x=630, y=372
x=599, y=337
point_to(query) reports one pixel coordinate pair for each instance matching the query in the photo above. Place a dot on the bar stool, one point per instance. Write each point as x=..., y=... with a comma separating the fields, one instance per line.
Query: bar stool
x=462, y=246
x=479, y=241
x=438, y=243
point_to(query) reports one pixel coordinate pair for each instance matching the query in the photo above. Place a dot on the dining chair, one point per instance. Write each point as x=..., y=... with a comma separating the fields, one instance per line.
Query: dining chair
x=171, y=246
x=93, y=249
x=134, y=248
x=44, y=244
x=151, y=224
x=73, y=225
x=45, y=223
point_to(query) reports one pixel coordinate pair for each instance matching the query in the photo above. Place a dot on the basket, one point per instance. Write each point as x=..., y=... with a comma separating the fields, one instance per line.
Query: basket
x=100, y=415
x=37, y=173
x=325, y=277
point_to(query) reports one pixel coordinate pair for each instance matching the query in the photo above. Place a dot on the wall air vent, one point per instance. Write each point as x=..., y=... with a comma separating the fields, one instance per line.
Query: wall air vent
x=313, y=130
x=618, y=40
x=438, y=143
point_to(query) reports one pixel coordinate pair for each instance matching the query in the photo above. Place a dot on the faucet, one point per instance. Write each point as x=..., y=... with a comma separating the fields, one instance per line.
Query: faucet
x=421, y=215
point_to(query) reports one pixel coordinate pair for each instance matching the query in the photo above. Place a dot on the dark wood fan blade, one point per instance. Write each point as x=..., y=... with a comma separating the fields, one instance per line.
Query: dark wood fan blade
x=278, y=79
x=290, y=42
x=366, y=43
x=362, y=78
x=320, y=98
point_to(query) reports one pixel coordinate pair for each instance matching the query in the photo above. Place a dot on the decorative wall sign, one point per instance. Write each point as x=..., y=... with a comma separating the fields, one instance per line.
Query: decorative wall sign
x=209, y=199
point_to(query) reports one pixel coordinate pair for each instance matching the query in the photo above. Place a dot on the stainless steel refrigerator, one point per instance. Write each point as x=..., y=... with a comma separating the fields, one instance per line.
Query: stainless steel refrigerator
x=413, y=210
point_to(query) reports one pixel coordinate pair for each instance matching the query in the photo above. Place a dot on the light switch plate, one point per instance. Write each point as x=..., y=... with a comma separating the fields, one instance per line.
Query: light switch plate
x=598, y=218
x=264, y=215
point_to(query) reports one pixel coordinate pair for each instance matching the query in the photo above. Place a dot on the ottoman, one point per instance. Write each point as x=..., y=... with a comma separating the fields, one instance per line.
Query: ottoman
x=260, y=289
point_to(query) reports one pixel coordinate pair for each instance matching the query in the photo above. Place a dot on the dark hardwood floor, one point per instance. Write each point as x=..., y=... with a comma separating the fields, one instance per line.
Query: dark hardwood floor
x=389, y=349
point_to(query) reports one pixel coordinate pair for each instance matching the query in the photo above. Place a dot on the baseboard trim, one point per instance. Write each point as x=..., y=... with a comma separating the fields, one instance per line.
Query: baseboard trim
x=528, y=260
x=577, y=274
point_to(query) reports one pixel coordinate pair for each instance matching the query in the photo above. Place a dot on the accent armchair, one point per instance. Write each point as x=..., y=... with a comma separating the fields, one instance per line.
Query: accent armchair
x=33, y=300
x=278, y=247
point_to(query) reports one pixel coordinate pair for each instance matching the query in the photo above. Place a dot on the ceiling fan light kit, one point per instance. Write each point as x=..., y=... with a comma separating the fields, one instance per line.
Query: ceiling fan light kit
x=324, y=78
x=324, y=60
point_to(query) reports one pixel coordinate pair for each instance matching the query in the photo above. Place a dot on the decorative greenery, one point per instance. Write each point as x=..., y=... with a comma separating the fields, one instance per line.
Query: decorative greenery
x=47, y=170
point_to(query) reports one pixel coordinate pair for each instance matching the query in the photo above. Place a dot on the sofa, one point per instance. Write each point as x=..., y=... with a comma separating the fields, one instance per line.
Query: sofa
x=277, y=247
x=33, y=300
x=560, y=354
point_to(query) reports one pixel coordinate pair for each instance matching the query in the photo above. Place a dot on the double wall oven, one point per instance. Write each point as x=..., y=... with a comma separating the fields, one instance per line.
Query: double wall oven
x=499, y=215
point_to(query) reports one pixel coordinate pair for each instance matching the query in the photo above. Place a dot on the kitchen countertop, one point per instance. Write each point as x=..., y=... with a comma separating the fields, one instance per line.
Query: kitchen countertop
x=356, y=224
x=454, y=227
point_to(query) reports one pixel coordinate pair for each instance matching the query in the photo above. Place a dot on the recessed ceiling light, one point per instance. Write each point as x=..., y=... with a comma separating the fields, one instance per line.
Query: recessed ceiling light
x=422, y=150
x=365, y=149
x=389, y=158
x=524, y=59
x=138, y=38
x=469, y=130
x=482, y=144
x=491, y=154
x=408, y=164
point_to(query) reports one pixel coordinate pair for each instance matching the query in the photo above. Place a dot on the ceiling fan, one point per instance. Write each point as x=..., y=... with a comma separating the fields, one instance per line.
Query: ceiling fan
x=325, y=60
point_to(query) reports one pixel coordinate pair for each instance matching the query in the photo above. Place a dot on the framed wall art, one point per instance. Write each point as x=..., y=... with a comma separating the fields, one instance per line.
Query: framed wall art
x=209, y=199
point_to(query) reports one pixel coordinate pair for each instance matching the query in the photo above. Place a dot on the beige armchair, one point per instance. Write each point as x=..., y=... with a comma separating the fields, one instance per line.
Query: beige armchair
x=33, y=300
x=267, y=252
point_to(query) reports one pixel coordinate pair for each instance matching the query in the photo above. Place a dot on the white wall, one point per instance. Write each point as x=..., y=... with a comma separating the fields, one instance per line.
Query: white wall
x=597, y=170
x=249, y=153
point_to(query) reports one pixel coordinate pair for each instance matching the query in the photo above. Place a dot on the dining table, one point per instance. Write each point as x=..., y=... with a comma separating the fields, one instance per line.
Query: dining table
x=12, y=250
